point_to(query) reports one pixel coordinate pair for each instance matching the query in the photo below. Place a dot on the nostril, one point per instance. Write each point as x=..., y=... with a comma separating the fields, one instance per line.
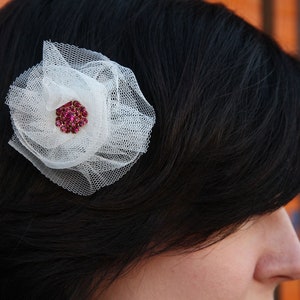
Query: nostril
x=282, y=278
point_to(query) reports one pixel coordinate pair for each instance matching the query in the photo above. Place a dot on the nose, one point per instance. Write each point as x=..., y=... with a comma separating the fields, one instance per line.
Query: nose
x=280, y=259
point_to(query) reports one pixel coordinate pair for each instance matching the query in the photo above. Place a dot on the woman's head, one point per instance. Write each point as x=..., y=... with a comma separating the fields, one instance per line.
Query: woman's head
x=224, y=148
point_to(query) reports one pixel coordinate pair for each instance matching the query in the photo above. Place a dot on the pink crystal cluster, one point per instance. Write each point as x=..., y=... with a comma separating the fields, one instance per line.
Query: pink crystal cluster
x=71, y=117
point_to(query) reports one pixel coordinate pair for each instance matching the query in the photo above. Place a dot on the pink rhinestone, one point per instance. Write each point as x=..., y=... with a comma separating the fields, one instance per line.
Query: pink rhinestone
x=75, y=130
x=76, y=103
x=71, y=116
x=63, y=128
x=67, y=104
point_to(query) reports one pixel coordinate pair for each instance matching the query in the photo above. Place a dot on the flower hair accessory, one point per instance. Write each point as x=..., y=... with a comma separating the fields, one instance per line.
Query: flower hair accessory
x=80, y=118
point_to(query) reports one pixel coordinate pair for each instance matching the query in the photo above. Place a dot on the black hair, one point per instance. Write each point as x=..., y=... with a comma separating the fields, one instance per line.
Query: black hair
x=224, y=148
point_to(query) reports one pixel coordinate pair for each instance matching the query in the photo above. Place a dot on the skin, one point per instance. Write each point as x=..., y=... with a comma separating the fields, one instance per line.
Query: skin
x=247, y=265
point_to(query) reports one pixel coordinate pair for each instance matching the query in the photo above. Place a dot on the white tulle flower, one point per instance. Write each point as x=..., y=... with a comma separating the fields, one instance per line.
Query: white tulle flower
x=79, y=117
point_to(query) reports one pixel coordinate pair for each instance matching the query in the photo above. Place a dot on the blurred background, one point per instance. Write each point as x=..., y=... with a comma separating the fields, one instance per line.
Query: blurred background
x=281, y=19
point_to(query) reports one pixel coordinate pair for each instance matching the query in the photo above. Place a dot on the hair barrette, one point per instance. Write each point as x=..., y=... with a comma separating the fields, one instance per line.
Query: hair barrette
x=80, y=118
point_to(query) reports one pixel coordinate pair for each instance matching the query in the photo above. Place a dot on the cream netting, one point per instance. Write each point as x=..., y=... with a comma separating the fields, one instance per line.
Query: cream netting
x=120, y=119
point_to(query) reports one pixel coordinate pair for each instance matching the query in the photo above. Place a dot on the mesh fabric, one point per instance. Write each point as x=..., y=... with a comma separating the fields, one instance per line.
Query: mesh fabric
x=120, y=119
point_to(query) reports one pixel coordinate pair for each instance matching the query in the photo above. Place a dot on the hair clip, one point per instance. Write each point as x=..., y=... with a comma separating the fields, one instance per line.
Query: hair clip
x=80, y=118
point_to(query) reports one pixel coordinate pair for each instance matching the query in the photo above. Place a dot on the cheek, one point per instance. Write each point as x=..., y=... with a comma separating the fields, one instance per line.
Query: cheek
x=215, y=275
x=224, y=271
